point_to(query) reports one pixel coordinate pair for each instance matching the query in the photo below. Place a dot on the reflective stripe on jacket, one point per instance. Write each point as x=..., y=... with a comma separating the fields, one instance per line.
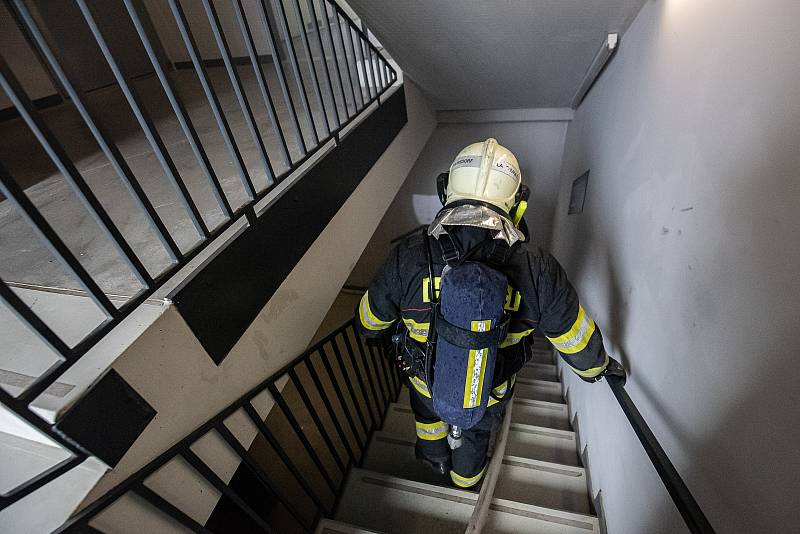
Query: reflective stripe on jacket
x=539, y=296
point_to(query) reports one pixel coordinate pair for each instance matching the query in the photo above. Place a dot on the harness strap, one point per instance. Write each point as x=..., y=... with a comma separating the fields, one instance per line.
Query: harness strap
x=498, y=255
x=450, y=251
x=468, y=339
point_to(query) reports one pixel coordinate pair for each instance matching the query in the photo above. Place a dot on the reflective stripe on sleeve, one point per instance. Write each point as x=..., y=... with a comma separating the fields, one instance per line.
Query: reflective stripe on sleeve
x=432, y=431
x=576, y=339
x=368, y=319
x=501, y=390
x=420, y=386
x=594, y=371
x=512, y=338
x=466, y=482
x=417, y=331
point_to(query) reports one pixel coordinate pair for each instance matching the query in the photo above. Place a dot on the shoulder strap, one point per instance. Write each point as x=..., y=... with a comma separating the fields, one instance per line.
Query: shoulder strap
x=498, y=255
x=431, y=279
x=450, y=250
x=430, y=344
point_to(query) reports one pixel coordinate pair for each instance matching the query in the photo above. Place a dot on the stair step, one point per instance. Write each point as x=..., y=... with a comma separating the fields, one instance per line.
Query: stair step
x=541, y=413
x=524, y=479
x=543, y=390
x=539, y=371
x=394, y=456
x=541, y=443
x=403, y=398
x=399, y=506
x=329, y=526
x=399, y=421
x=543, y=484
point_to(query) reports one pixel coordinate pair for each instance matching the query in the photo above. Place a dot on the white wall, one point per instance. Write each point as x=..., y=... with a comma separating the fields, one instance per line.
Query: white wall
x=167, y=29
x=170, y=369
x=687, y=255
x=538, y=147
x=22, y=60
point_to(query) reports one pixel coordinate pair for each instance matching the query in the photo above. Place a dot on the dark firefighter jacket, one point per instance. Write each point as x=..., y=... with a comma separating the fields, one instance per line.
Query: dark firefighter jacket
x=539, y=296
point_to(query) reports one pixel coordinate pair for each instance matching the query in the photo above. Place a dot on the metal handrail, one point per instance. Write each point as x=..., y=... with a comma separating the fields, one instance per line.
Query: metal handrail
x=371, y=368
x=328, y=18
x=687, y=505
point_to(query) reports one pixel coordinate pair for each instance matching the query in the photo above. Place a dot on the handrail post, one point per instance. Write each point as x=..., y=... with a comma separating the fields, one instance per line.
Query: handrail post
x=681, y=496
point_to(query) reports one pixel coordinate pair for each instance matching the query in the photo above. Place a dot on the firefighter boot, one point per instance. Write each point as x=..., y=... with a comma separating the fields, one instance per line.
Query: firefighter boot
x=439, y=465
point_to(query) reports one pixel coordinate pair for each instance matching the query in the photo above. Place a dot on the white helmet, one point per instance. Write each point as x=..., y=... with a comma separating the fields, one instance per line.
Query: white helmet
x=487, y=172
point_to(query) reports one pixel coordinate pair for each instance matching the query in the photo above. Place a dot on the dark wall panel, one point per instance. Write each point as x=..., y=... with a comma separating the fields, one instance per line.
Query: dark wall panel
x=223, y=299
x=108, y=419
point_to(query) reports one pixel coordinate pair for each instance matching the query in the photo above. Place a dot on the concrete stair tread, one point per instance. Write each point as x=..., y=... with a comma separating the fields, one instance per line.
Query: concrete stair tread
x=329, y=526
x=399, y=421
x=543, y=390
x=540, y=371
x=542, y=443
x=399, y=506
x=527, y=480
x=393, y=455
x=540, y=483
x=541, y=413
x=403, y=399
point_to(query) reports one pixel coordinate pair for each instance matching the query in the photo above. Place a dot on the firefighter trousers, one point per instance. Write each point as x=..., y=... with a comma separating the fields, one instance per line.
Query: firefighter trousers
x=469, y=460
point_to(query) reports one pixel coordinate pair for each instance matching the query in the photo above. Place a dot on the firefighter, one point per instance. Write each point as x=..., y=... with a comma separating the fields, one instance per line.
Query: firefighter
x=479, y=227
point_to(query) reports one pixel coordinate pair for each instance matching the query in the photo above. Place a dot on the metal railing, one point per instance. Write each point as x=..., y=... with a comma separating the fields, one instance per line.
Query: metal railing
x=361, y=382
x=687, y=506
x=348, y=72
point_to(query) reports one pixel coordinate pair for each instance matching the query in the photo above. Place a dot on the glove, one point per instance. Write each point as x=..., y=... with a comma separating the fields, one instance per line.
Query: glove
x=614, y=368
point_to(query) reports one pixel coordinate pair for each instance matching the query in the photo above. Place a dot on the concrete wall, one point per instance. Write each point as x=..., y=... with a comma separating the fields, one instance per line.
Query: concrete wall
x=167, y=30
x=170, y=369
x=196, y=16
x=22, y=60
x=687, y=255
x=537, y=145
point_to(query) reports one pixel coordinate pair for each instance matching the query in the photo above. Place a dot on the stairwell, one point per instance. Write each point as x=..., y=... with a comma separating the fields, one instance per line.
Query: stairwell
x=541, y=485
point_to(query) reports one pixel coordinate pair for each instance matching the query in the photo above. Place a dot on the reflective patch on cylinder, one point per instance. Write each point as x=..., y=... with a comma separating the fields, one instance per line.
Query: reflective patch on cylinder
x=476, y=368
x=466, y=482
x=432, y=431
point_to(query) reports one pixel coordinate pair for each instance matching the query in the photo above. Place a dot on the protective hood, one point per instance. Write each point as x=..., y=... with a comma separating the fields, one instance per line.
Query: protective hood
x=478, y=216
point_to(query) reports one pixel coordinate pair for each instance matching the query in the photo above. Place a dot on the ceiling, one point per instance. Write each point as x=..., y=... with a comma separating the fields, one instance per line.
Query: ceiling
x=496, y=54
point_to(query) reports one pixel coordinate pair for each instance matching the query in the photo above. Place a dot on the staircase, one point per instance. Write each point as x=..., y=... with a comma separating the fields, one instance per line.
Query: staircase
x=541, y=485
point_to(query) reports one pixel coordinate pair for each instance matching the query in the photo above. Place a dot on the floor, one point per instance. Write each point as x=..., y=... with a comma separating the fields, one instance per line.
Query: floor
x=25, y=259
